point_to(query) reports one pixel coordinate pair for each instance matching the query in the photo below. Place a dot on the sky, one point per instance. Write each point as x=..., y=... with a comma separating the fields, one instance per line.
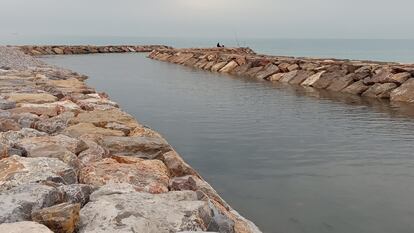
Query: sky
x=210, y=18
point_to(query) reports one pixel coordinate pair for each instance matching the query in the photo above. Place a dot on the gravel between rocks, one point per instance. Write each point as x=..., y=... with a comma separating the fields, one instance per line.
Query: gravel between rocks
x=13, y=58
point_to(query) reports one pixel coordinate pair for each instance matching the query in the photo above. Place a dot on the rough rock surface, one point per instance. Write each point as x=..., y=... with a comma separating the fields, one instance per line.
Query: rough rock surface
x=146, y=175
x=122, y=209
x=24, y=227
x=61, y=218
x=404, y=93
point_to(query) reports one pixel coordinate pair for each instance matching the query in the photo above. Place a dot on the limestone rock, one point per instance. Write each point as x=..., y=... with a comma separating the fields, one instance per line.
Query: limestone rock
x=327, y=78
x=252, y=72
x=103, y=117
x=143, y=147
x=125, y=210
x=94, y=152
x=379, y=90
x=16, y=170
x=24, y=227
x=36, y=144
x=146, y=175
x=301, y=76
x=53, y=125
x=176, y=165
x=400, y=78
x=218, y=66
x=356, y=88
x=59, y=218
x=7, y=104
x=88, y=128
x=35, y=98
x=288, y=76
x=405, y=92
x=312, y=79
x=341, y=82
x=76, y=193
x=8, y=125
x=58, y=50
x=18, y=203
x=276, y=77
x=267, y=71
x=229, y=67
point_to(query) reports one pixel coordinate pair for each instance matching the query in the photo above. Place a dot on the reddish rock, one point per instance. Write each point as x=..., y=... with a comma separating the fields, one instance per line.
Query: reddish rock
x=301, y=76
x=405, y=92
x=267, y=71
x=341, y=82
x=379, y=90
x=288, y=76
x=146, y=175
x=61, y=218
x=356, y=88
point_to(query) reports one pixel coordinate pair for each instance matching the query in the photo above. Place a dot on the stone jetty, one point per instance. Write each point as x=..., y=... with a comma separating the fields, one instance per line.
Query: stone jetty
x=383, y=80
x=72, y=161
x=87, y=49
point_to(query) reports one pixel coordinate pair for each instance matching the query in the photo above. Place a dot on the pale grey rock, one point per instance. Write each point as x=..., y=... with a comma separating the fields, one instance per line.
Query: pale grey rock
x=18, y=203
x=77, y=193
x=24, y=227
x=16, y=170
x=119, y=208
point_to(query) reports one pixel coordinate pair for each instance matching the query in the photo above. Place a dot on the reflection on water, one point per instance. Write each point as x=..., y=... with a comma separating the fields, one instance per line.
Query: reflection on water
x=292, y=159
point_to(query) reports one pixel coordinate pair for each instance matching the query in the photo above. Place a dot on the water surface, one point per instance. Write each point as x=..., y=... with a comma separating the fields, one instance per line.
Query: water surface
x=293, y=160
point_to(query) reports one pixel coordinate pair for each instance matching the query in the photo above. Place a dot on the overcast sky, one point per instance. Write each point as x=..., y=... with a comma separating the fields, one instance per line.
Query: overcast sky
x=210, y=18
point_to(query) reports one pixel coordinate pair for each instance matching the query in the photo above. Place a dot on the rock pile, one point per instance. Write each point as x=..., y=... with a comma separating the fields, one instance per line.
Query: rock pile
x=72, y=161
x=383, y=80
x=86, y=49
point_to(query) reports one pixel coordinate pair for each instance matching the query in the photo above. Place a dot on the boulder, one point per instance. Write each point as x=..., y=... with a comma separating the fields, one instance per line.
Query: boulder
x=356, y=88
x=229, y=67
x=404, y=93
x=276, y=77
x=379, y=90
x=145, y=175
x=8, y=125
x=24, y=227
x=288, y=76
x=327, y=78
x=6, y=104
x=252, y=72
x=18, y=203
x=341, y=82
x=88, y=128
x=143, y=147
x=35, y=98
x=103, y=117
x=76, y=193
x=95, y=152
x=16, y=170
x=267, y=71
x=61, y=218
x=400, y=78
x=52, y=125
x=216, y=67
x=176, y=165
x=36, y=144
x=312, y=79
x=388, y=76
x=301, y=76
x=122, y=209
x=362, y=73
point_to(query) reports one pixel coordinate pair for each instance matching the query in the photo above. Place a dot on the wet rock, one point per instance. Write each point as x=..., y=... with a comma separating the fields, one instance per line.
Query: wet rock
x=16, y=170
x=24, y=227
x=229, y=67
x=242, y=69
x=77, y=193
x=341, y=82
x=356, y=88
x=380, y=90
x=288, y=76
x=145, y=175
x=312, y=79
x=88, y=128
x=143, y=147
x=8, y=125
x=18, y=203
x=267, y=71
x=123, y=209
x=405, y=92
x=176, y=165
x=252, y=72
x=59, y=218
x=301, y=75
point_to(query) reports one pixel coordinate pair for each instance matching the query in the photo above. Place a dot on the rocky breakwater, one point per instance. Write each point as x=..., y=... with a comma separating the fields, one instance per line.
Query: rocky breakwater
x=385, y=80
x=86, y=49
x=72, y=161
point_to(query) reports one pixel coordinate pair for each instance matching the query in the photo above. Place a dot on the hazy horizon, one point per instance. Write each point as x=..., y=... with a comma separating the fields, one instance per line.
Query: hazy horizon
x=280, y=19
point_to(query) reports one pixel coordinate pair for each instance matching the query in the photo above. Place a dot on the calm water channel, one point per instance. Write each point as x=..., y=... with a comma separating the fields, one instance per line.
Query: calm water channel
x=291, y=159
